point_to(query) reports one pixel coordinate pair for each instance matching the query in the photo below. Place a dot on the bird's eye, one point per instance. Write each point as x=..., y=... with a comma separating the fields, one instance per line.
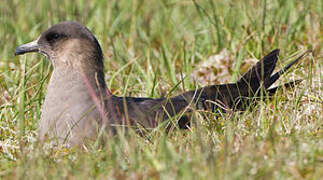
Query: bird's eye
x=53, y=36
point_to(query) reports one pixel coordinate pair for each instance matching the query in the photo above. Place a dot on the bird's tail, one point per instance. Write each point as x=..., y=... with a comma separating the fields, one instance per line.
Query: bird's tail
x=261, y=72
x=256, y=82
x=260, y=75
x=276, y=76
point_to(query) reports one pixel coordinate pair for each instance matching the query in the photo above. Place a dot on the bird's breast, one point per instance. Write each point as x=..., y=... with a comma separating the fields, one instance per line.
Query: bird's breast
x=68, y=111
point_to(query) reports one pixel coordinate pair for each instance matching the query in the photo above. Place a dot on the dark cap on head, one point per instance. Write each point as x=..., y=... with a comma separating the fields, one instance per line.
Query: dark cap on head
x=56, y=36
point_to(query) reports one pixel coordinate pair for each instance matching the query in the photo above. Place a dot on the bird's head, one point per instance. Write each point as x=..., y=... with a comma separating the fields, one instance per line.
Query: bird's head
x=66, y=44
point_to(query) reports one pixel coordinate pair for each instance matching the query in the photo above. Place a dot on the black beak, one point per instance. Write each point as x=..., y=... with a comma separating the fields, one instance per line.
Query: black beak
x=25, y=48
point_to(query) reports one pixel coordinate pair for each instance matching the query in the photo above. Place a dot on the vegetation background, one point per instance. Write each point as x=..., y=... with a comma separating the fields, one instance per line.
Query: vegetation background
x=150, y=46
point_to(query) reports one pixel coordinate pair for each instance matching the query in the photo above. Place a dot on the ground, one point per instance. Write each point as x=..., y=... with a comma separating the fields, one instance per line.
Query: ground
x=149, y=48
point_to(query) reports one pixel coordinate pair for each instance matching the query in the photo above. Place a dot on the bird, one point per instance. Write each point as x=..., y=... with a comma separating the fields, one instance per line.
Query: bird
x=78, y=105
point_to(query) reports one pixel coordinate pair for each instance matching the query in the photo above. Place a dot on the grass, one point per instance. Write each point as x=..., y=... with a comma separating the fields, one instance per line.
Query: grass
x=153, y=48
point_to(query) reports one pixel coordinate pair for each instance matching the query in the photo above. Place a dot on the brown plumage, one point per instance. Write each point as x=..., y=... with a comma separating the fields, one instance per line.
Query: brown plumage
x=78, y=104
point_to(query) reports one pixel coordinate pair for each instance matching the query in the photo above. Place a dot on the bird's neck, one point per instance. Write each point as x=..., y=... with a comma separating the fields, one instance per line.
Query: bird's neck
x=82, y=67
x=66, y=81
